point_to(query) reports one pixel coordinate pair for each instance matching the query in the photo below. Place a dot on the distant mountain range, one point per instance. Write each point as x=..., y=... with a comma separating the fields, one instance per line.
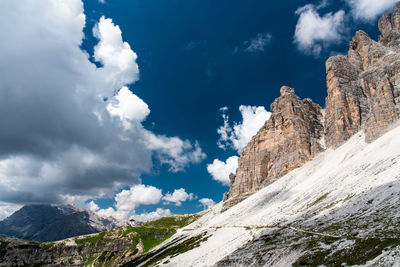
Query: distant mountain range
x=54, y=222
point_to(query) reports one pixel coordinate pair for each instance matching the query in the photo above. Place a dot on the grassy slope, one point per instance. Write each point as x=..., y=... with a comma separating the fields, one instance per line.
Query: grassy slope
x=109, y=248
x=134, y=241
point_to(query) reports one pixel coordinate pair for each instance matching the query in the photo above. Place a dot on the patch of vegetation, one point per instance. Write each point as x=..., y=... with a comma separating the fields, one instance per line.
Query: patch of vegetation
x=90, y=261
x=173, y=221
x=149, y=235
x=47, y=244
x=362, y=251
x=90, y=239
x=317, y=240
x=187, y=245
x=152, y=237
x=318, y=200
x=135, y=242
x=171, y=251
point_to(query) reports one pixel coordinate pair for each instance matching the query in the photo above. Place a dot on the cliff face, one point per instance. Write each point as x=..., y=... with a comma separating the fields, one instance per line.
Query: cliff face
x=291, y=137
x=363, y=94
x=363, y=88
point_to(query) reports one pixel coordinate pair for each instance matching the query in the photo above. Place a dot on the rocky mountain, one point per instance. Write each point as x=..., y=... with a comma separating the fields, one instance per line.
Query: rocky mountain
x=292, y=136
x=53, y=222
x=363, y=94
x=314, y=187
x=339, y=209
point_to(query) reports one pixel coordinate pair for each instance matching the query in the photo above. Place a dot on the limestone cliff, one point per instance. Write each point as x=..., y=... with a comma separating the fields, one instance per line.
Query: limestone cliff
x=291, y=137
x=363, y=94
x=363, y=89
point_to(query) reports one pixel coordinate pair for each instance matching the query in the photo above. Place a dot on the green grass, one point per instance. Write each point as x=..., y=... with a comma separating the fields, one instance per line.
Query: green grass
x=135, y=242
x=90, y=261
x=152, y=237
x=149, y=235
x=179, y=248
x=47, y=244
x=173, y=221
x=90, y=239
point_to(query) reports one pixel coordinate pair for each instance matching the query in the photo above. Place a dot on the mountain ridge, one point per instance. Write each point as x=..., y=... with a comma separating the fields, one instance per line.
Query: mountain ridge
x=44, y=222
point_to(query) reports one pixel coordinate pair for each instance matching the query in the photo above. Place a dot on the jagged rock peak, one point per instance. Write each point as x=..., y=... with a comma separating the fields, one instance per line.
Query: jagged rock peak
x=291, y=137
x=286, y=90
x=389, y=26
x=363, y=87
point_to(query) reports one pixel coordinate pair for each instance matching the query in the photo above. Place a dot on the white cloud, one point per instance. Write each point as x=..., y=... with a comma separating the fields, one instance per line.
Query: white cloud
x=151, y=216
x=173, y=151
x=315, y=32
x=80, y=202
x=6, y=209
x=220, y=170
x=238, y=136
x=128, y=107
x=258, y=44
x=119, y=60
x=369, y=10
x=207, y=203
x=58, y=134
x=93, y=206
x=177, y=197
x=128, y=200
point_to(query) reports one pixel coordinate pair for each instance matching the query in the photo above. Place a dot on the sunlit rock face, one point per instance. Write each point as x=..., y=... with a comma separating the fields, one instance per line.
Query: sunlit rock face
x=291, y=137
x=363, y=94
x=363, y=87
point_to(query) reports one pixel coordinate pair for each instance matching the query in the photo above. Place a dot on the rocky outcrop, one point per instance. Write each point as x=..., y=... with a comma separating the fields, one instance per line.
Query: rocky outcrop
x=292, y=136
x=110, y=249
x=363, y=89
x=363, y=94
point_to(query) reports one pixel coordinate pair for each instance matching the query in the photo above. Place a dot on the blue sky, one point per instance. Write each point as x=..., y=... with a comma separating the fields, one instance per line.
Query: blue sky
x=193, y=58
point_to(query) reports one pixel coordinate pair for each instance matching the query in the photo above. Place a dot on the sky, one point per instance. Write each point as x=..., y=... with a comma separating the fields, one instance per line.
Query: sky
x=140, y=108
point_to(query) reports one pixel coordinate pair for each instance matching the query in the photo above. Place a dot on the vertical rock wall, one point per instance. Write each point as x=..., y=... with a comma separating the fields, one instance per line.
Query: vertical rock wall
x=291, y=137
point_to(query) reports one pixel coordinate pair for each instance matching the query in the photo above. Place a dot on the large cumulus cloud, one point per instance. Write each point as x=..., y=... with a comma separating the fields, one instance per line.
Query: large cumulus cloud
x=69, y=128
